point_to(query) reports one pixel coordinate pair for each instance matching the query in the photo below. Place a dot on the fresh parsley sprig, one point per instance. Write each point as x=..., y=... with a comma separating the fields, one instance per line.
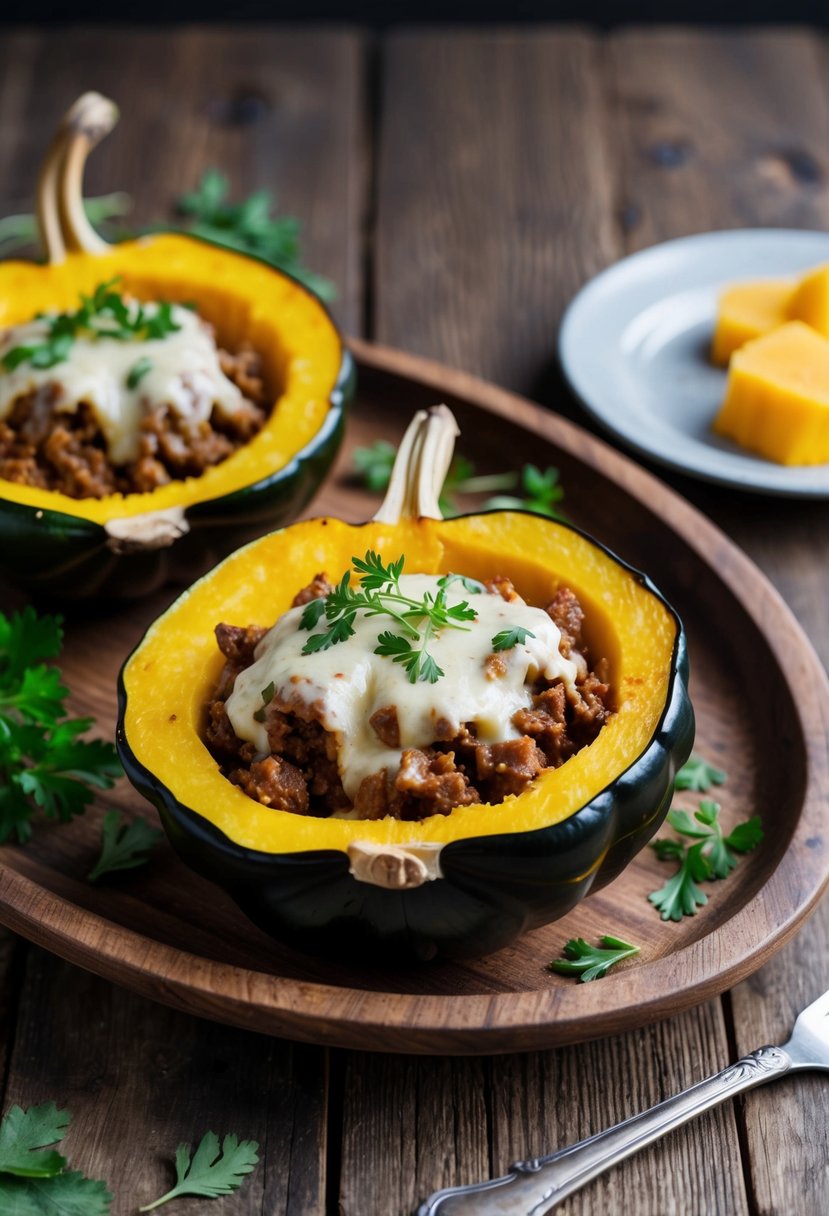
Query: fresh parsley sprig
x=139, y=369
x=711, y=856
x=24, y=1139
x=540, y=488
x=33, y=1177
x=43, y=761
x=507, y=638
x=379, y=594
x=249, y=226
x=104, y=314
x=540, y=493
x=373, y=464
x=592, y=962
x=211, y=1171
x=18, y=232
x=124, y=846
x=697, y=774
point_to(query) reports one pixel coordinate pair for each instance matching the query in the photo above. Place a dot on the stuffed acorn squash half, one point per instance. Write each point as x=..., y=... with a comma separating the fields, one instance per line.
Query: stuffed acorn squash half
x=519, y=799
x=151, y=334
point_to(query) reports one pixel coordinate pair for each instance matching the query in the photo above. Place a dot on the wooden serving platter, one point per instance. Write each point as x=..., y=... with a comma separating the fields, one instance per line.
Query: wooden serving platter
x=762, y=702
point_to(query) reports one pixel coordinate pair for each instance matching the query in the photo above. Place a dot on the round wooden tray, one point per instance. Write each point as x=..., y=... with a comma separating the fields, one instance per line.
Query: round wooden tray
x=762, y=702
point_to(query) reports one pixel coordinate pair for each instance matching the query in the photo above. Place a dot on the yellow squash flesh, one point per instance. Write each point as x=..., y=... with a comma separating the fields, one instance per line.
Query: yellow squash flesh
x=171, y=676
x=245, y=300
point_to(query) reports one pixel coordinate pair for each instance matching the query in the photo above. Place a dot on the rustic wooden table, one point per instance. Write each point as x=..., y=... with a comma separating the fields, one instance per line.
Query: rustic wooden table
x=459, y=187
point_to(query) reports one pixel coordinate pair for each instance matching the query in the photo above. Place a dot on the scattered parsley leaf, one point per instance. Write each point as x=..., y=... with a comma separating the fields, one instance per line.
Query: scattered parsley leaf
x=418, y=663
x=34, y=1180
x=393, y=645
x=24, y=1137
x=745, y=836
x=374, y=464
x=43, y=761
x=540, y=488
x=508, y=638
x=138, y=371
x=339, y=631
x=469, y=584
x=426, y=670
x=250, y=227
x=39, y=695
x=681, y=896
x=697, y=774
x=267, y=695
x=668, y=850
x=26, y=639
x=67, y=1194
x=210, y=1172
x=20, y=231
x=312, y=614
x=124, y=846
x=375, y=573
x=541, y=492
x=592, y=962
x=711, y=856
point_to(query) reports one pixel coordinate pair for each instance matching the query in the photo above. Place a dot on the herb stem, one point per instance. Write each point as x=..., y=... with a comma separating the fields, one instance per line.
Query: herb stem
x=486, y=484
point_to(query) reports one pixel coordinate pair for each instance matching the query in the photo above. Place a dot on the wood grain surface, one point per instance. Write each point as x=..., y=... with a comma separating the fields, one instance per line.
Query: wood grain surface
x=529, y=160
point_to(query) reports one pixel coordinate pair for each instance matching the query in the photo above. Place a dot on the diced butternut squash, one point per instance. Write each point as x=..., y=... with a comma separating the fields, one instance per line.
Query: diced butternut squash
x=746, y=311
x=809, y=301
x=777, y=399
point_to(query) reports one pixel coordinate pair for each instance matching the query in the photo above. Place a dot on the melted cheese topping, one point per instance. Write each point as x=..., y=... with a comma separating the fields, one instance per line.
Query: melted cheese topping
x=184, y=373
x=347, y=683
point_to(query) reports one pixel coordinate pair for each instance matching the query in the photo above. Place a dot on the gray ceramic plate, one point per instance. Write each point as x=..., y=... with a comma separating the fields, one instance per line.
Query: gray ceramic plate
x=634, y=346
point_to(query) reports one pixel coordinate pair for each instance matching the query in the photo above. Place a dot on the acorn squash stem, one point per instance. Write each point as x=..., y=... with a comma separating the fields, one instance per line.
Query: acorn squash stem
x=61, y=216
x=48, y=213
x=86, y=123
x=420, y=468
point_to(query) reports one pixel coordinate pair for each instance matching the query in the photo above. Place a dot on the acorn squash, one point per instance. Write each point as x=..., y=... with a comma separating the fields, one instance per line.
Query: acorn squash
x=129, y=544
x=464, y=883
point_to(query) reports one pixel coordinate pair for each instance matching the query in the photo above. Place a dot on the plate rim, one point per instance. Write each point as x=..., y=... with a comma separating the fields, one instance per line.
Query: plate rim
x=477, y=1024
x=570, y=320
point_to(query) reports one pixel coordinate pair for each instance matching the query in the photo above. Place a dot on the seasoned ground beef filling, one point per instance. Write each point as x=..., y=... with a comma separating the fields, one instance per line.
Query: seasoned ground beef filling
x=301, y=773
x=54, y=450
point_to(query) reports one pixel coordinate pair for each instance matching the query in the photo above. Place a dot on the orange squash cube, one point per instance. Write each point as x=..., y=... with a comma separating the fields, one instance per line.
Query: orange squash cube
x=809, y=301
x=746, y=311
x=777, y=400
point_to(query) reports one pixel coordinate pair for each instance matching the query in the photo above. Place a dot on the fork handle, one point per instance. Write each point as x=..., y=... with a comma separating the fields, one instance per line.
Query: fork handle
x=534, y=1187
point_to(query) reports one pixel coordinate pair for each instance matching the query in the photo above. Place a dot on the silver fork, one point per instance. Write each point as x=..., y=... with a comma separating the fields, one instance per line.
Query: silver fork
x=534, y=1187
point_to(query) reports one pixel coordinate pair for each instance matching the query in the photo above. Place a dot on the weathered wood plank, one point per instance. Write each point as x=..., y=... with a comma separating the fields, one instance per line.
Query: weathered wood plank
x=719, y=130
x=494, y=199
x=140, y=1079
x=410, y=1125
x=13, y=952
x=275, y=109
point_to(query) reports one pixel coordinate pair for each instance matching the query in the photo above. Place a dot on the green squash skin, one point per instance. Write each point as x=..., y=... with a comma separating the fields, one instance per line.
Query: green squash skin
x=493, y=887
x=60, y=558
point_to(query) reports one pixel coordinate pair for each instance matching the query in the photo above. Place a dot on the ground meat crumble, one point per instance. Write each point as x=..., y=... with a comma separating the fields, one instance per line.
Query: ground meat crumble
x=301, y=773
x=56, y=450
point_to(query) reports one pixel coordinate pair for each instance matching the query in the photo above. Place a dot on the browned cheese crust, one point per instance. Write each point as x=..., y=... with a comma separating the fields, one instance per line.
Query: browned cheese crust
x=301, y=773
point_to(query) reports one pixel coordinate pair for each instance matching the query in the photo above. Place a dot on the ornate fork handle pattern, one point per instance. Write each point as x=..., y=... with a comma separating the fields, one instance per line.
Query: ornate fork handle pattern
x=533, y=1187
